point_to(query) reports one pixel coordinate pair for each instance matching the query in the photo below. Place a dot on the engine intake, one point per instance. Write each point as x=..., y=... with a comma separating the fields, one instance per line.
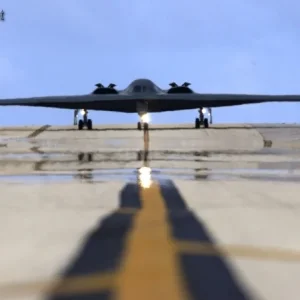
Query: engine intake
x=101, y=89
x=176, y=89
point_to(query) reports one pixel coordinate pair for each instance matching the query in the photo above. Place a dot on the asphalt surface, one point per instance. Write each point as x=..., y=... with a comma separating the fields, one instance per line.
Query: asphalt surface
x=173, y=213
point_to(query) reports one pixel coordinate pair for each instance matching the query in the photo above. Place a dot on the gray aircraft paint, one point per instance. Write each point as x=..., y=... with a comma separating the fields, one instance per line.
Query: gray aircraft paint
x=144, y=90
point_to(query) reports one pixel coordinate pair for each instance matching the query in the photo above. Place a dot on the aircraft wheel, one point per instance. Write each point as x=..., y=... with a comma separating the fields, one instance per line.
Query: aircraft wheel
x=146, y=126
x=80, y=124
x=206, y=124
x=197, y=123
x=89, y=124
x=139, y=126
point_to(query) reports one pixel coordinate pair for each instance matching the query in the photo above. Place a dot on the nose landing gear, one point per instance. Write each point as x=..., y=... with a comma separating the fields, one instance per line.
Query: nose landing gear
x=202, y=120
x=144, y=121
x=142, y=125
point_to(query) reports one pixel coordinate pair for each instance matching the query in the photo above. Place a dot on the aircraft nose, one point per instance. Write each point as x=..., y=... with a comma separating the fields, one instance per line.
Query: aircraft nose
x=143, y=86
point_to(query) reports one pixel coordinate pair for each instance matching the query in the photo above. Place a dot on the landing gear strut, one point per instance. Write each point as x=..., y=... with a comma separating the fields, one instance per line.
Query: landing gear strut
x=75, y=117
x=85, y=121
x=210, y=116
x=203, y=120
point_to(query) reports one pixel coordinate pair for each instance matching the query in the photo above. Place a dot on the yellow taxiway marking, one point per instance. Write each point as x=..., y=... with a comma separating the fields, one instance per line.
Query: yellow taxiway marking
x=100, y=282
x=248, y=252
x=74, y=285
x=150, y=267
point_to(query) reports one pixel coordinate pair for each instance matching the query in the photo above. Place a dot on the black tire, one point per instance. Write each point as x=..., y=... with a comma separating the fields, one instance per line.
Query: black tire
x=146, y=126
x=139, y=126
x=197, y=123
x=206, y=124
x=89, y=124
x=80, y=125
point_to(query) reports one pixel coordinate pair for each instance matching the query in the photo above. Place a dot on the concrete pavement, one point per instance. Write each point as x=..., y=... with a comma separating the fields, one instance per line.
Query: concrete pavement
x=174, y=213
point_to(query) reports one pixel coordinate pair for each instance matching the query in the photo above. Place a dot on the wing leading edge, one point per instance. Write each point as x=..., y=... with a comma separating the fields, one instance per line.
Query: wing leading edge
x=156, y=102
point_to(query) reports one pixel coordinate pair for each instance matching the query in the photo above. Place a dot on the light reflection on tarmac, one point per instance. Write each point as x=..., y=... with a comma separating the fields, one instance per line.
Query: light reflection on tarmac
x=212, y=214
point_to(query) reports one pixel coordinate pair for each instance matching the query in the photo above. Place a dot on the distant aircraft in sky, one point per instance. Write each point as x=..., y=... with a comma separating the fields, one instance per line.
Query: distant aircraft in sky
x=142, y=96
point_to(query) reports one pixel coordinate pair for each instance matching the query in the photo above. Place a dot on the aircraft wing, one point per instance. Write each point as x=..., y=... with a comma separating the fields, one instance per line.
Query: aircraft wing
x=219, y=100
x=172, y=102
x=89, y=101
x=156, y=103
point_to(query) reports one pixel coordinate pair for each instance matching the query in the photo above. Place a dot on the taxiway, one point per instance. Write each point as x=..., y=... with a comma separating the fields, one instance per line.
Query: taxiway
x=173, y=213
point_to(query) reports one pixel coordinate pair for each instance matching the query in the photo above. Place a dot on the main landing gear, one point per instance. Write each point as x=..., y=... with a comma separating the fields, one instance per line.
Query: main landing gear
x=203, y=120
x=198, y=122
x=84, y=122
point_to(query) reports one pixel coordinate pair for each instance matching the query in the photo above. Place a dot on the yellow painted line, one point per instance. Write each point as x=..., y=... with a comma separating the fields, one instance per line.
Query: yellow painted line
x=150, y=266
x=88, y=284
x=100, y=282
x=78, y=284
x=199, y=248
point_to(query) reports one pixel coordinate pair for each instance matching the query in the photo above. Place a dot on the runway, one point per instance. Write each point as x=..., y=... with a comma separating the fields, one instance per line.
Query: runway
x=172, y=213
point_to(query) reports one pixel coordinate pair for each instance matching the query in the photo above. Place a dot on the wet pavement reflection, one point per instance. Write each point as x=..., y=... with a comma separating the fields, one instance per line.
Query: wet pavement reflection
x=152, y=221
x=99, y=166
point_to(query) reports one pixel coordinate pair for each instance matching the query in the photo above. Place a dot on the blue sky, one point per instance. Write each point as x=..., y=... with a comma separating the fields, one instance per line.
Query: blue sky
x=64, y=47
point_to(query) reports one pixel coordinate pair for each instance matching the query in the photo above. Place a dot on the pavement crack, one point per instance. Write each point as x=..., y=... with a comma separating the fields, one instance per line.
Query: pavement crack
x=38, y=131
x=36, y=149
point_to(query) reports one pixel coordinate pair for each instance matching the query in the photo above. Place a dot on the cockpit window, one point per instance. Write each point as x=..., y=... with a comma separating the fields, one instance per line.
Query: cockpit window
x=143, y=87
x=137, y=89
